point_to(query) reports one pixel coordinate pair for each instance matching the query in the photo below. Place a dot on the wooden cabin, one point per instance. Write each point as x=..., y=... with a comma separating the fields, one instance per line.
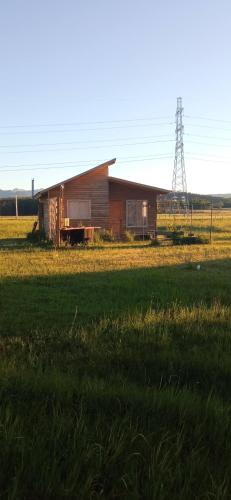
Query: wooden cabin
x=94, y=199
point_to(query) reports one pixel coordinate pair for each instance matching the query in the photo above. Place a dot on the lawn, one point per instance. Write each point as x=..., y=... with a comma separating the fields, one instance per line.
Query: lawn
x=115, y=368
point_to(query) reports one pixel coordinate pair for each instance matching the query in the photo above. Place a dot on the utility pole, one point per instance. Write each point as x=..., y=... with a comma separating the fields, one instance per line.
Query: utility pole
x=179, y=199
x=32, y=188
x=16, y=206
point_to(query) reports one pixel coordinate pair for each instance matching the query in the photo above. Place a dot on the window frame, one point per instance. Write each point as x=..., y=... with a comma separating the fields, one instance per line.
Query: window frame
x=74, y=200
x=144, y=218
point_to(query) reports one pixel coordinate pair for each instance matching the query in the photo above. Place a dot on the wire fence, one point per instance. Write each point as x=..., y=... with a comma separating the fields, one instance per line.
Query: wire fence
x=212, y=224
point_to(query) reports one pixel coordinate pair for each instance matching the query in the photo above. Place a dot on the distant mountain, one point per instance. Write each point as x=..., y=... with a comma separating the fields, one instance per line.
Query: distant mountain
x=218, y=201
x=228, y=195
x=21, y=193
x=202, y=201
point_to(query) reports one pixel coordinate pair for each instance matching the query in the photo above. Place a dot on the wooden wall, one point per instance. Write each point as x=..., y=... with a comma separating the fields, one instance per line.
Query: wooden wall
x=124, y=192
x=108, y=202
x=90, y=186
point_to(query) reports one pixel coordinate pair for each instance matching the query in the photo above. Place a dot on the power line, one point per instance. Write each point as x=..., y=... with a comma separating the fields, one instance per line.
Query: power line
x=207, y=126
x=70, y=124
x=99, y=122
x=88, y=129
x=210, y=160
x=58, y=165
x=107, y=140
x=138, y=122
x=208, y=155
x=209, y=137
x=135, y=157
x=82, y=161
x=79, y=142
x=209, y=144
x=121, y=162
x=98, y=129
x=206, y=119
x=87, y=147
x=74, y=166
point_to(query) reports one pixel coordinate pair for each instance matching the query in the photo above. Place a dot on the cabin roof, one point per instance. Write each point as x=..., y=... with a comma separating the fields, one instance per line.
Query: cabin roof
x=105, y=164
x=138, y=185
x=111, y=179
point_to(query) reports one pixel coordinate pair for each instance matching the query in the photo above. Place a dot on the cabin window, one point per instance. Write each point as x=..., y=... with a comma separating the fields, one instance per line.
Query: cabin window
x=137, y=213
x=79, y=209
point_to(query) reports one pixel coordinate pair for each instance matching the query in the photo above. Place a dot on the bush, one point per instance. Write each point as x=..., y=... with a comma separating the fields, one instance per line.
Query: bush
x=154, y=243
x=38, y=237
x=34, y=236
x=190, y=240
x=176, y=234
x=97, y=237
x=128, y=236
x=142, y=237
x=106, y=235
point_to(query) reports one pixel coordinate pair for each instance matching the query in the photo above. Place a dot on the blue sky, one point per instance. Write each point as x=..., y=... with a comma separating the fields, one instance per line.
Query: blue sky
x=82, y=82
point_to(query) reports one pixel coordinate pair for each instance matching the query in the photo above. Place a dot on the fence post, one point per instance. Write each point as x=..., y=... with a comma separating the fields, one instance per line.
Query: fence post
x=211, y=222
x=191, y=213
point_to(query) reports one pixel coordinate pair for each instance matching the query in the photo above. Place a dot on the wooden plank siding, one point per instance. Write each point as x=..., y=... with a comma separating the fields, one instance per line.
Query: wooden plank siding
x=107, y=197
x=123, y=192
x=92, y=186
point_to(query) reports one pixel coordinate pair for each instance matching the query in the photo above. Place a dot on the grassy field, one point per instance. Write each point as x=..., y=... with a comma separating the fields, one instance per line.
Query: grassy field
x=115, y=368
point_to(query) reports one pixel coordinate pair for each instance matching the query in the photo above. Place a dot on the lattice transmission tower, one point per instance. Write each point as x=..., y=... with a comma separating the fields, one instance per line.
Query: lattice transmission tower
x=179, y=198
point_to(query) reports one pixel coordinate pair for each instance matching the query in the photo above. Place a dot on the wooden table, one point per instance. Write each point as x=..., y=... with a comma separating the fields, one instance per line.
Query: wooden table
x=76, y=235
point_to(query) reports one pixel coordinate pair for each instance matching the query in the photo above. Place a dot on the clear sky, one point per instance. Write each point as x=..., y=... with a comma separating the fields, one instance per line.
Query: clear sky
x=86, y=81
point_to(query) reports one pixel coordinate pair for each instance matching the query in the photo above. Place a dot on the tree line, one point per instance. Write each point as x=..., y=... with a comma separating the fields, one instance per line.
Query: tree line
x=26, y=206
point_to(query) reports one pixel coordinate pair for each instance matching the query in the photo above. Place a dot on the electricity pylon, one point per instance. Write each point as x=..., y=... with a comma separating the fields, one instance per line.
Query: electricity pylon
x=179, y=201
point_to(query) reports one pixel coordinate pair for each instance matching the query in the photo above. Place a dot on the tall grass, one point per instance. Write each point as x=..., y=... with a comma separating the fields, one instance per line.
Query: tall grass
x=115, y=372
x=130, y=408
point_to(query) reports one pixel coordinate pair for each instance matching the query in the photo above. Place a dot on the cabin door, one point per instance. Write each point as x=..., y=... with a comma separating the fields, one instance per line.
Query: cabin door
x=116, y=217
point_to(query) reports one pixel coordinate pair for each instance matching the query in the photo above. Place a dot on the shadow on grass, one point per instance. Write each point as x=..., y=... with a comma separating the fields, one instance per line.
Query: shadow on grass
x=198, y=229
x=14, y=243
x=108, y=246
x=223, y=238
x=20, y=243
x=50, y=302
x=116, y=389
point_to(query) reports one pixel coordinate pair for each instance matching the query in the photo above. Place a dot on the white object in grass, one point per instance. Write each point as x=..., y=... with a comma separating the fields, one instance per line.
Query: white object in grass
x=198, y=267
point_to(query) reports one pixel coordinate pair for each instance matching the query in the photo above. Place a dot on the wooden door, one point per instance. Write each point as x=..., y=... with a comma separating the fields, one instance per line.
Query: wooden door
x=116, y=217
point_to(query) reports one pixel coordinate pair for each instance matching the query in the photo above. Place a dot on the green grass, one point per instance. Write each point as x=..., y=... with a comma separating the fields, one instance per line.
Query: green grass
x=200, y=223
x=12, y=228
x=115, y=370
